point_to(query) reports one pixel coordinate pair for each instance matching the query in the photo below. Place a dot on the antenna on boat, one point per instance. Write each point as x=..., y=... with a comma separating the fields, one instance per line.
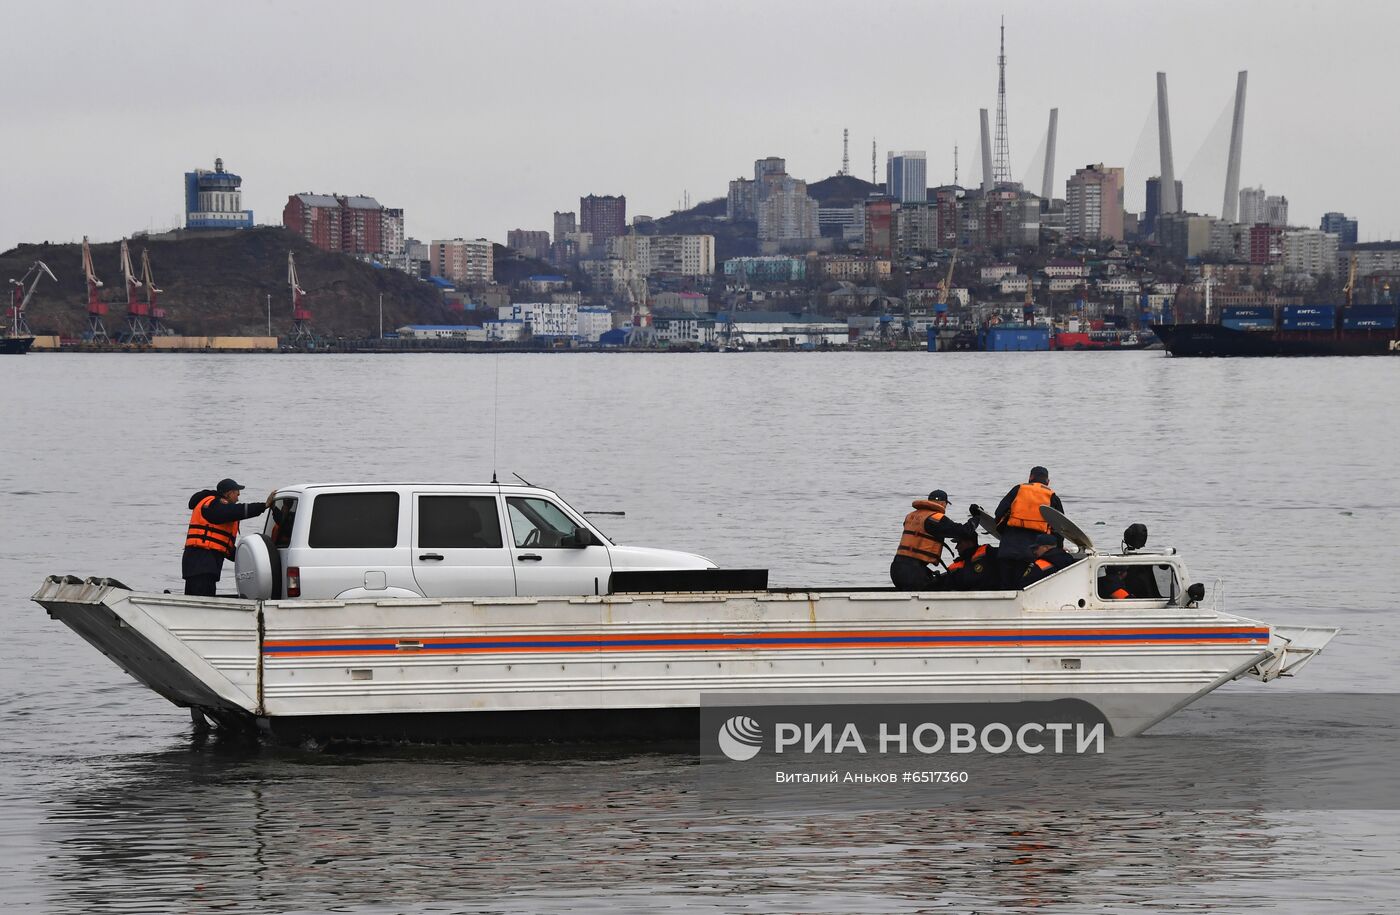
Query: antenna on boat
x=521, y=479
x=495, y=411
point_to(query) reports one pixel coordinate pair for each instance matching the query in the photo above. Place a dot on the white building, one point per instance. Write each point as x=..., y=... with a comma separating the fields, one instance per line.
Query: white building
x=474, y=333
x=1014, y=283
x=1066, y=268
x=996, y=272
x=510, y=331
x=391, y=237
x=593, y=323
x=787, y=213
x=544, y=319
x=675, y=255
x=683, y=330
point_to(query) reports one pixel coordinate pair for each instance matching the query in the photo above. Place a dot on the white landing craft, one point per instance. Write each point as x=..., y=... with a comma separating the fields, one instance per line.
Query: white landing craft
x=491, y=612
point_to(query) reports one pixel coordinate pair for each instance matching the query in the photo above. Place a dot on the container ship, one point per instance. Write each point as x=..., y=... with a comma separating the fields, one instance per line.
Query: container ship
x=1293, y=330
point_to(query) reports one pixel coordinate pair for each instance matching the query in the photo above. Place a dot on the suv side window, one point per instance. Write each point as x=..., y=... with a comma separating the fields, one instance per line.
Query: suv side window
x=539, y=522
x=454, y=522
x=354, y=521
x=278, y=526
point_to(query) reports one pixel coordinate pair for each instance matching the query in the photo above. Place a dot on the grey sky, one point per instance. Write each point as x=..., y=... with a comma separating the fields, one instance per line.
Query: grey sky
x=481, y=117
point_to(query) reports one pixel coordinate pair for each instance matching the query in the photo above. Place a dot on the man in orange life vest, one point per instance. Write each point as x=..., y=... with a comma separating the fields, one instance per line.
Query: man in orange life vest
x=925, y=529
x=1048, y=557
x=975, y=568
x=213, y=531
x=1019, y=523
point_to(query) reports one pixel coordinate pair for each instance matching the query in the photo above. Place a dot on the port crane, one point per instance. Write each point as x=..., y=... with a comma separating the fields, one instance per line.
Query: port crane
x=156, y=313
x=138, y=313
x=944, y=290
x=301, y=317
x=1349, y=290
x=97, y=330
x=19, y=327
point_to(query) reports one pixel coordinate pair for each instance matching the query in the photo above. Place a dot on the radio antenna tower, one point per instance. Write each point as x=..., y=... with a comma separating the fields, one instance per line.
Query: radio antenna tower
x=845, y=150
x=872, y=163
x=1001, y=170
x=955, y=165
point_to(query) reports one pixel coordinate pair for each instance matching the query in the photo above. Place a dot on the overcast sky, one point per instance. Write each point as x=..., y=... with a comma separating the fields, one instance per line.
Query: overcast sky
x=481, y=117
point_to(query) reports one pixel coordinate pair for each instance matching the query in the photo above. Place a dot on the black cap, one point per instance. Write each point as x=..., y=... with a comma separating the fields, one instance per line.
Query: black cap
x=1045, y=540
x=1039, y=473
x=226, y=484
x=938, y=495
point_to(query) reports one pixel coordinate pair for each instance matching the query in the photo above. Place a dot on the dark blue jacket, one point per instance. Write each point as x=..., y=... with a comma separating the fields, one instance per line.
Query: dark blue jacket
x=211, y=562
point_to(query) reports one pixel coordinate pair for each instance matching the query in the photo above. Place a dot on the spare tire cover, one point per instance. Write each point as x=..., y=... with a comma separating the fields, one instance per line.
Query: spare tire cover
x=256, y=568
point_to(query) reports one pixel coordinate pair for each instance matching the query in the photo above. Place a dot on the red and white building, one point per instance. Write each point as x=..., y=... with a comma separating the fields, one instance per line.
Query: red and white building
x=350, y=225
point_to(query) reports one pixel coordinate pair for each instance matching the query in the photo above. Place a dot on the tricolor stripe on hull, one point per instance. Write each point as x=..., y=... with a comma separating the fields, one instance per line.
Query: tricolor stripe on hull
x=1191, y=635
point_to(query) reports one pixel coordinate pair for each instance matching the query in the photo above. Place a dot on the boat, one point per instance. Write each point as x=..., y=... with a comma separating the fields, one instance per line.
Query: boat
x=15, y=346
x=1220, y=340
x=1101, y=340
x=636, y=656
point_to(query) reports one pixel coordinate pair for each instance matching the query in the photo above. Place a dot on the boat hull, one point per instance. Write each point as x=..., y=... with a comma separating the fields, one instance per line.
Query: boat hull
x=620, y=667
x=1215, y=340
x=15, y=346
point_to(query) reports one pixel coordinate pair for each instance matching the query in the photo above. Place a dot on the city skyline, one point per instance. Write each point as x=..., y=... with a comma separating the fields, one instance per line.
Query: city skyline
x=603, y=100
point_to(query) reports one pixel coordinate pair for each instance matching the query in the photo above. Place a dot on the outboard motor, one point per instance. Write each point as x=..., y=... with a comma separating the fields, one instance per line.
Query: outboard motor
x=1134, y=537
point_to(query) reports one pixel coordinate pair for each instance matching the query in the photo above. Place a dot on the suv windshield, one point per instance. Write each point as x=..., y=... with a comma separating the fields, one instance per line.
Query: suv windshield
x=278, y=526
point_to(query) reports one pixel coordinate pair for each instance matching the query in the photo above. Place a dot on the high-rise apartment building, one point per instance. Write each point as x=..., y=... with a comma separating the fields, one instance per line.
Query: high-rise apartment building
x=564, y=223
x=1339, y=225
x=1094, y=203
x=1252, y=206
x=605, y=217
x=463, y=261
x=529, y=242
x=351, y=225
x=906, y=176
x=1309, y=251
x=1153, y=209
x=743, y=202
x=1276, y=210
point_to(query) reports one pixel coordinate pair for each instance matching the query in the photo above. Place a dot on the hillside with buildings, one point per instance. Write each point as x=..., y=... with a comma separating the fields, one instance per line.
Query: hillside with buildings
x=222, y=282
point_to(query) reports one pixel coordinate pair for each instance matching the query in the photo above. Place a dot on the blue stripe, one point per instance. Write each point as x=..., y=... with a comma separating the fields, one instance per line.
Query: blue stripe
x=681, y=641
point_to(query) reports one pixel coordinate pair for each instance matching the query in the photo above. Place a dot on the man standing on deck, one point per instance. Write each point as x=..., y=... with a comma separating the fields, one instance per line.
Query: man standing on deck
x=925, y=529
x=1019, y=523
x=212, y=534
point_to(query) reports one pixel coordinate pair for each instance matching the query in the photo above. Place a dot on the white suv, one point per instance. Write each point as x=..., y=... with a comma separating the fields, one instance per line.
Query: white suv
x=434, y=540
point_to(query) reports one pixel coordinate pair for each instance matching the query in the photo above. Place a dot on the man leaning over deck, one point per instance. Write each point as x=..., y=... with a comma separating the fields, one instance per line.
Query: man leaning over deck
x=212, y=534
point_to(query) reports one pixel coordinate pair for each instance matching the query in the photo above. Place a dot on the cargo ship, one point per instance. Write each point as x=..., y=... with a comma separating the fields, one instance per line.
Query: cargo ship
x=1293, y=330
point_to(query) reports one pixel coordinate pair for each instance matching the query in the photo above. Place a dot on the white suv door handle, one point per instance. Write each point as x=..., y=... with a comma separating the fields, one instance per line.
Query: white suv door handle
x=530, y=557
x=435, y=556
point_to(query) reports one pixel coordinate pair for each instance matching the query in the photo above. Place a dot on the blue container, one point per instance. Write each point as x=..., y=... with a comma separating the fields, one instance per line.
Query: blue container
x=1370, y=311
x=1325, y=313
x=1306, y=324
x=932, y=340
x=1248, y=323
x=1358, y=322
x=1254, y=311
x=1016, y=339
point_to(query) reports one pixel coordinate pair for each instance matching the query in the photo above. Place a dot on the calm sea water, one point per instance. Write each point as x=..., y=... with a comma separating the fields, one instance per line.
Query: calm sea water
x=1277, y=480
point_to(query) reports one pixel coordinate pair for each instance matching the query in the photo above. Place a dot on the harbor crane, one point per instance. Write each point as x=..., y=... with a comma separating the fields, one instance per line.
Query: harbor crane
x=945, y=288
x=155, y=313
x=138, y=313
x=301, y=317
x=97, y=330
x=1349, y=290
x=19, y=327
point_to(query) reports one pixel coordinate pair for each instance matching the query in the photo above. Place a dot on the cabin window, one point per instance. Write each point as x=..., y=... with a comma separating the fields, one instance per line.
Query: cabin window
x=459, y=522
x=354, y=521
x=1140, y=580
x=539, y=522
x=280, y=518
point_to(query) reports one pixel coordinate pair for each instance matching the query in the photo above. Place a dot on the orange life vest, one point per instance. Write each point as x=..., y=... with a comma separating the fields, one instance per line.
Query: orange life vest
x=1043, y=564
x=1119, y=594
x=205, y=535
x=1025, y=508
x=960, y=563
x=916, y=542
